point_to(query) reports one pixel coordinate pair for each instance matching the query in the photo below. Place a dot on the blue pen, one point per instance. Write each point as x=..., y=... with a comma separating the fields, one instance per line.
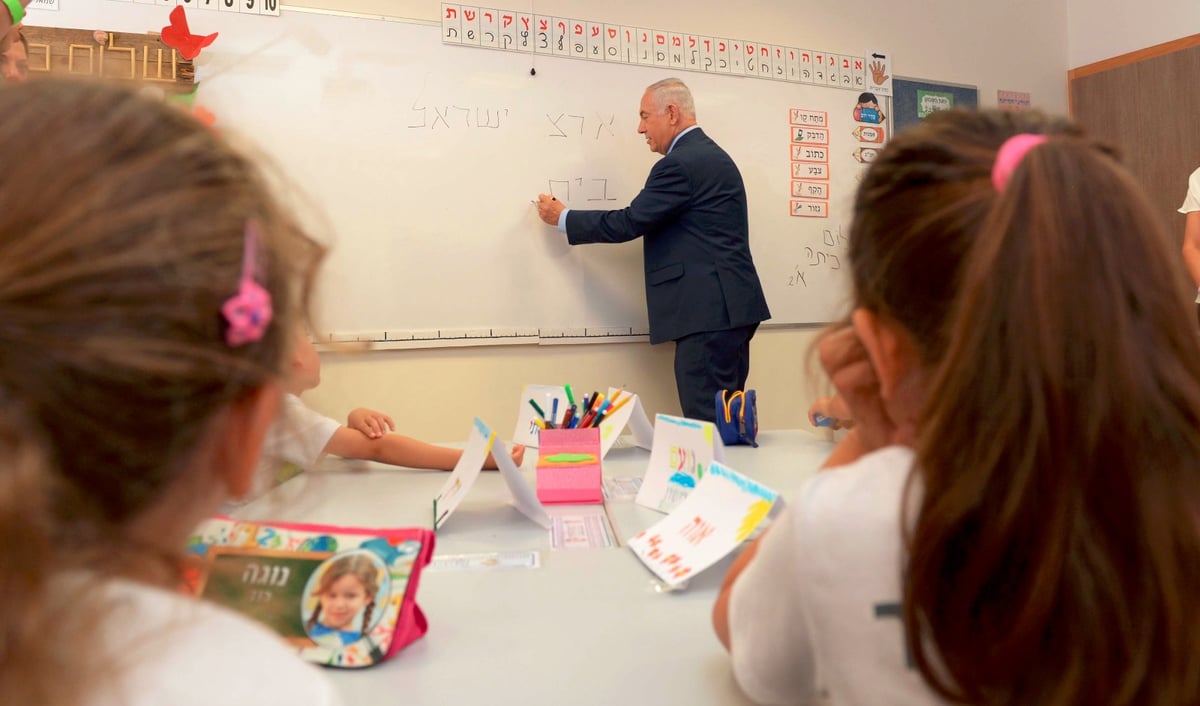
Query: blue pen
x=554, y=411
x=820, y=420
x=574, y=417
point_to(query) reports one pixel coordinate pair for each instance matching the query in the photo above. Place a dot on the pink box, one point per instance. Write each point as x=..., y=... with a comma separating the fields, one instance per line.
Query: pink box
x=568, y=467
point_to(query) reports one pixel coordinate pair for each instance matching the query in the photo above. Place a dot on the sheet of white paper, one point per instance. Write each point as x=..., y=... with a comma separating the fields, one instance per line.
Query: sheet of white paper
x=526, y=431
x=622, y=489
x=524, y=496
x=639, y=424
x=466, y=471
x=485, y=562
x=724, y=510
x=590, y=531
x=682, y=451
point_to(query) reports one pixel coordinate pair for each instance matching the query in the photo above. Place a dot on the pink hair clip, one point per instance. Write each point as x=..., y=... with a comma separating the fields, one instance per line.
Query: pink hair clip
x=1010, y=155
x=249, y=311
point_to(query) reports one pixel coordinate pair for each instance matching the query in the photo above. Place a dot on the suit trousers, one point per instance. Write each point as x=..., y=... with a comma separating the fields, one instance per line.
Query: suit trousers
x=710, y=361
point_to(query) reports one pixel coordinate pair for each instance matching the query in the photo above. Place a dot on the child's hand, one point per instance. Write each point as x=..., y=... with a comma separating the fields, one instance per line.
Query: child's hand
x=845, y=360
x=831, y=413
x=371, y=423
x=517, y=452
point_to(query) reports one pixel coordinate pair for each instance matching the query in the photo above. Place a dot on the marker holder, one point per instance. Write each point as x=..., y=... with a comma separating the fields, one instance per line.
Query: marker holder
x=569, y=466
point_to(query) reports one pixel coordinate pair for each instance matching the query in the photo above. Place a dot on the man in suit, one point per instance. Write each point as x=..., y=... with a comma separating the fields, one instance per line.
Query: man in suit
x=702, y=290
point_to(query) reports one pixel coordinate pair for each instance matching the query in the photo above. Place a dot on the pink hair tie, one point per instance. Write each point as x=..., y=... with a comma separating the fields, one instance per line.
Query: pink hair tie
x=249, y=311
x=1010, y=155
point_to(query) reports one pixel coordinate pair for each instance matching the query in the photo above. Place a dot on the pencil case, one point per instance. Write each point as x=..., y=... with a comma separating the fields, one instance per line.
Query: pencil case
x=737, y=416
x=287, y=575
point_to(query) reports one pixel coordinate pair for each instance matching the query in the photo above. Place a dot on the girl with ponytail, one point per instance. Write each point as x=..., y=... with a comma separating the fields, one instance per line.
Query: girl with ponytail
x=1015, y=515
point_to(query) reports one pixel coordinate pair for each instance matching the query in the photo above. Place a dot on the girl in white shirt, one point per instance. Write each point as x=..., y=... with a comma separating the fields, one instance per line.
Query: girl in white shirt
x=1015, y=515
x=149, y=285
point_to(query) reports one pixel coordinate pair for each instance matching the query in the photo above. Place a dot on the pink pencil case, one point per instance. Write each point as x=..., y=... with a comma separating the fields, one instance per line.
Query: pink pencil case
x=341, y=596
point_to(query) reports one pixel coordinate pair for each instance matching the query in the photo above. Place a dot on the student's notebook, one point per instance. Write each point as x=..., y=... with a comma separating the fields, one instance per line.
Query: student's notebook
x=341, y=596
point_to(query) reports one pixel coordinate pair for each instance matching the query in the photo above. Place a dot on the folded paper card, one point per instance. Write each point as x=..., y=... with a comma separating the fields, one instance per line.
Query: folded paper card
x=282, y=574
x=480, y=442
x=627, y=411
x=683, y=449
x=528, y=415
x=568, y=467
x=725, y=509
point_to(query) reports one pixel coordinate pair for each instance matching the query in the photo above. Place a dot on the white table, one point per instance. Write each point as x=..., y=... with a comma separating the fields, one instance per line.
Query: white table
x=587, y=627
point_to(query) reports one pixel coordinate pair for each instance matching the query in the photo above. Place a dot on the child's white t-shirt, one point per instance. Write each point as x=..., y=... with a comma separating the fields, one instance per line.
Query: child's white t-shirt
x=168, y=648
x=815, y=617
x=298, y=435
x=1191, y=202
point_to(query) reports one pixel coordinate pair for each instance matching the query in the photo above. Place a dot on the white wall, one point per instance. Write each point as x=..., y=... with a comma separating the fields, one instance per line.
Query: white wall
x=1102, y=29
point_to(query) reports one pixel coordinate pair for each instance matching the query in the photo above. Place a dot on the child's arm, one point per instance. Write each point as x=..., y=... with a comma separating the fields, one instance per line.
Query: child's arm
x=720, y=614
x=400, y=450
x=1191, y=245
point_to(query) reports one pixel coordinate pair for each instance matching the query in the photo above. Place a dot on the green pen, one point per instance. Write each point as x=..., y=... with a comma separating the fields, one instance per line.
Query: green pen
x=538, y=409
x=570, y=397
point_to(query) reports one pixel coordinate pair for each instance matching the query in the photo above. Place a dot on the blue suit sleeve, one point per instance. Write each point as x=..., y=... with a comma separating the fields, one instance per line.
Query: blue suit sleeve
x=666, y=194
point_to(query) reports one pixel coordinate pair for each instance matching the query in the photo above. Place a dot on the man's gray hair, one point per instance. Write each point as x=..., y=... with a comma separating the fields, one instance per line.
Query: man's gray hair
x=673, y=91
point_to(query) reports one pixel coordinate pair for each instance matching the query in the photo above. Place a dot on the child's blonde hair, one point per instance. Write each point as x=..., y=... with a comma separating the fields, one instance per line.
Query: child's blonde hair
x=121, y=236
x=360, y=566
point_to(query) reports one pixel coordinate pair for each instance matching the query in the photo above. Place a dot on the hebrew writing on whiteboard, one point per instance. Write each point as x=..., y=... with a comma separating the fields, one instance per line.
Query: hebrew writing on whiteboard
x=416, y=158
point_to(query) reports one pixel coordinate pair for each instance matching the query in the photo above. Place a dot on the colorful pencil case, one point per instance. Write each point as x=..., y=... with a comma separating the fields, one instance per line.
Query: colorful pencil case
x=737, y=417
x=342, y=596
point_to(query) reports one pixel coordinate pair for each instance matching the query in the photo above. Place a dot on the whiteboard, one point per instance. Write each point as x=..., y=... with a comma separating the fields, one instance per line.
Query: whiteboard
x=423, y=159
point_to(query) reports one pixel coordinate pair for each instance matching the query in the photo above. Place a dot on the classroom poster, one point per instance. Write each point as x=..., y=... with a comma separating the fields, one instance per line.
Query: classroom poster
x=724, y=510
x=683, y=450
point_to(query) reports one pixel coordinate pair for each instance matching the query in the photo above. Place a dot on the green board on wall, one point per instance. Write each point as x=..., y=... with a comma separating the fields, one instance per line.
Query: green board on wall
x=913, y=99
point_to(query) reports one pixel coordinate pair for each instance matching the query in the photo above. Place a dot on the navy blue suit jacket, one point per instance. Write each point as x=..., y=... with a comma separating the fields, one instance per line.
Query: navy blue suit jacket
x=692, y=218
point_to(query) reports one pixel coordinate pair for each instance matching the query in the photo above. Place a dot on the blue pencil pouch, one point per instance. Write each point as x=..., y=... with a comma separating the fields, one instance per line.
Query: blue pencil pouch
x=737, y=417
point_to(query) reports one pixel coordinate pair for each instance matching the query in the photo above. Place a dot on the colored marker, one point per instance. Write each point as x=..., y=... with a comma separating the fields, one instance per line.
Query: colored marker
x=570, y=397
x=554, y=411
x=613, y=410
x=538, y=409
x=568, y=416
x=591, y=416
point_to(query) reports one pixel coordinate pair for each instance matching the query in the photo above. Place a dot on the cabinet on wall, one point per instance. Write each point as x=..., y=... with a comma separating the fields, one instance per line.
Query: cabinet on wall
x=1147, y=103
